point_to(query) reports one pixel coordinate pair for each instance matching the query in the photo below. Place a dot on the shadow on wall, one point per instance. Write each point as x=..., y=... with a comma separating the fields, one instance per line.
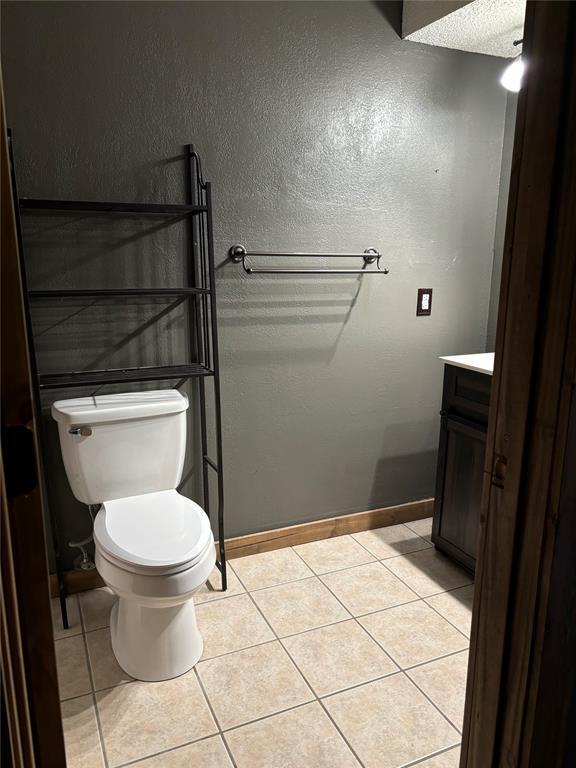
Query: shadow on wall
x=412, y=478
x=412, y=475
x=392, y=12
x=271, y=304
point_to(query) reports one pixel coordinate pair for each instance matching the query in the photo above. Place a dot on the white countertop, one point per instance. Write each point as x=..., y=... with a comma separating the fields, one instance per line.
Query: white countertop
x=483, y=362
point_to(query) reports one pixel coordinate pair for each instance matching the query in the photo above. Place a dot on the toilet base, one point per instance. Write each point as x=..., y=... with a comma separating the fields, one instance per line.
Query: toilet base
x=154, y=644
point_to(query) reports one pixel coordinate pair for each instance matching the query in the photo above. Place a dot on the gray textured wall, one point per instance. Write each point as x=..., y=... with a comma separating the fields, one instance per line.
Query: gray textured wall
x=502, y=211
x=320, y=129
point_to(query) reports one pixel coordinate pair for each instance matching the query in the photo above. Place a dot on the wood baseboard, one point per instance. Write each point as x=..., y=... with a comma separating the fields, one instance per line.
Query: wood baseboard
x=266, y=541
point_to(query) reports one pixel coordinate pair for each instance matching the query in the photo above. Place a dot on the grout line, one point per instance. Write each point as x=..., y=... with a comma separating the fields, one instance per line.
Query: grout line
x=436, y=658
x=420, y=760
x=308, y=576
x=424, y=597
x=228, y=750
x=302, y=676
x=267, y=717
x=95, y=629
x=420, y=663
x=436, y=707
x=213, y=711
x=335, y=724
x=81, y=614
x=355, y=618
x=168, y=750
x=317, y=698
x=429, y=544
x=448, y=620
x=208, y=702
x=360, y=685
x=402, y=671
x=95, y=703
x=442, y=591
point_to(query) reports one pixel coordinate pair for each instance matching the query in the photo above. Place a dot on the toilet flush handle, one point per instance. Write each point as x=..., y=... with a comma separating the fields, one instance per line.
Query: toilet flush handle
x=80, y=431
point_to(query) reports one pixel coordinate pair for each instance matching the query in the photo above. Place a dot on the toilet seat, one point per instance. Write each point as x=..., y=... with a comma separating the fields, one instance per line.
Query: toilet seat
x=154, y=533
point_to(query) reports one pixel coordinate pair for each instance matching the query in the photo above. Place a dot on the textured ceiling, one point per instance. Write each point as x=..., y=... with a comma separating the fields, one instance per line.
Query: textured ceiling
x=481, y=26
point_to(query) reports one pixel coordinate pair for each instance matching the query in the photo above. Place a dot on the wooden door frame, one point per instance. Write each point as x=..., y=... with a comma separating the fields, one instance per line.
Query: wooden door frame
x=524, y=518
x=29, y=678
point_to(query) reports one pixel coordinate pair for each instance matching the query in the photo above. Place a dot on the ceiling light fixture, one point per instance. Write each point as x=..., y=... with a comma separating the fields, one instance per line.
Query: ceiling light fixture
x=512, y=76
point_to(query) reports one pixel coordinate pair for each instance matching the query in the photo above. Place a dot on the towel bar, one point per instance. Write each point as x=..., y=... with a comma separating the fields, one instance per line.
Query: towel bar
x=238, y=254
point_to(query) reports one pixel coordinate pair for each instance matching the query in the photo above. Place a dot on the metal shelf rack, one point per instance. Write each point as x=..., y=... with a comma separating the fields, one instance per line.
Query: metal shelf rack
x=204, y=357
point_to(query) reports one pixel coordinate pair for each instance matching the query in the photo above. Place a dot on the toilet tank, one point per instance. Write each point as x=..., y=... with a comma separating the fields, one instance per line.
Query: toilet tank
x=115, y=446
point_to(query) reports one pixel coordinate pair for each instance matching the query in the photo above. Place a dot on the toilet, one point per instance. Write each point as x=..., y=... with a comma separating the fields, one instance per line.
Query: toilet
x=154, y=547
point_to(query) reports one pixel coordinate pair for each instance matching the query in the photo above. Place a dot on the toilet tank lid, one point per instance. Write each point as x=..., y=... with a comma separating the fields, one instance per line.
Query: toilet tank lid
x=121, y=407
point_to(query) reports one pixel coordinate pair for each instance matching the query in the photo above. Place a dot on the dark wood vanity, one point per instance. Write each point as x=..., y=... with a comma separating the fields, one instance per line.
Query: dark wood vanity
x=459, y=474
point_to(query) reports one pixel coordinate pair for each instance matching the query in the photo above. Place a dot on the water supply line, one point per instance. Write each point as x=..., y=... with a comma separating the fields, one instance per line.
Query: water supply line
x=83, y=561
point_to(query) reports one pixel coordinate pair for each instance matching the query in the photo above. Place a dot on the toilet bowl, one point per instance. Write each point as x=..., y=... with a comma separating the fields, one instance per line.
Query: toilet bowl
x=154, y=547
x=154, y=551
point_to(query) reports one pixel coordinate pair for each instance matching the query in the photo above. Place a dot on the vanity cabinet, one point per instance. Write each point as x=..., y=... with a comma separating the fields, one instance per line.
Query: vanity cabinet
x=460, y=469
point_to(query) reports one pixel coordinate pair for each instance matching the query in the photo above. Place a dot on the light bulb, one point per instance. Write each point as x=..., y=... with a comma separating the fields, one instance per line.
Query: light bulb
x=512, y=76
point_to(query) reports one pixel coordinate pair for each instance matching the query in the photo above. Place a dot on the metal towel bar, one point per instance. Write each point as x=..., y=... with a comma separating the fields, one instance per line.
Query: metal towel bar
x=238, y=254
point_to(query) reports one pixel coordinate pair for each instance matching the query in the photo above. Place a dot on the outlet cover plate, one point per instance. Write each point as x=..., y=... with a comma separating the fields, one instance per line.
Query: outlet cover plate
x=424, y=302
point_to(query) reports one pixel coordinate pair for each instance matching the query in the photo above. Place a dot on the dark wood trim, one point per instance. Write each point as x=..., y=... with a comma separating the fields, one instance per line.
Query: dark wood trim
x=17, y=741
x=30, y=685
x=266, y=541
x=535, y=370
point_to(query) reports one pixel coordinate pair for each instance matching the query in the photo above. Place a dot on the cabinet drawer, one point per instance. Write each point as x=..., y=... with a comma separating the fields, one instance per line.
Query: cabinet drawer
x=467, y=392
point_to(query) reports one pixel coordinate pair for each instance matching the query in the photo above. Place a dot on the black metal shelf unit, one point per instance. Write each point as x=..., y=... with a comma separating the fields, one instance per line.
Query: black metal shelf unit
x=203, y=326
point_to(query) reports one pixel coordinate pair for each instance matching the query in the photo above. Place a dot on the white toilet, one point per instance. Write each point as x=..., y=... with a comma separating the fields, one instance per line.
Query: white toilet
x=154, y=547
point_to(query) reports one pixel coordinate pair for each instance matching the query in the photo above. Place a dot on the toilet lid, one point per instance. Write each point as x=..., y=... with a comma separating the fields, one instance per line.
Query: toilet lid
x=155, y=530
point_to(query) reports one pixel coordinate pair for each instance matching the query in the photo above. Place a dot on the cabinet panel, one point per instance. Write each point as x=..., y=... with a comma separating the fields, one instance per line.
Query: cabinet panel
x=460, y=468
x=459, y=517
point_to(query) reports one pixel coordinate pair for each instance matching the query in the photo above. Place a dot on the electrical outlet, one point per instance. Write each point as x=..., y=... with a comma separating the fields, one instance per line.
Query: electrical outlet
x=424, y=302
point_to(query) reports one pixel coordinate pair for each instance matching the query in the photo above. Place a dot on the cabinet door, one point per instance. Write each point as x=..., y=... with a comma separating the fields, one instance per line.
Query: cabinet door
x=460, y=469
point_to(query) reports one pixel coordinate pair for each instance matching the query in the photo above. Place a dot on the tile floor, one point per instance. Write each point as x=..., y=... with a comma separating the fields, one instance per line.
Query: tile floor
x=340, y=653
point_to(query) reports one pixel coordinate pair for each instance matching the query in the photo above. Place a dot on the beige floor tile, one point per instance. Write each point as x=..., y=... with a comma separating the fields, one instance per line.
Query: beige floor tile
x=422, y=527
x=252, y=683
x=337, y=657
x=300, y=738
x=73, y=677
x=391, y=541
x=444, y=681
x=212, y=590
x=456, y=606
x=413, y=633
x=368, y=588
x=75, y=625
x=106, y=671
x=428, y=572
x=449, y=759
x=333, y=554
x=389, y=722
x=230, y=625
x=269, y=569
x=140, y=719
x=81, y=737
x=95, y=606
x=209, y=753
x=301, y=605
